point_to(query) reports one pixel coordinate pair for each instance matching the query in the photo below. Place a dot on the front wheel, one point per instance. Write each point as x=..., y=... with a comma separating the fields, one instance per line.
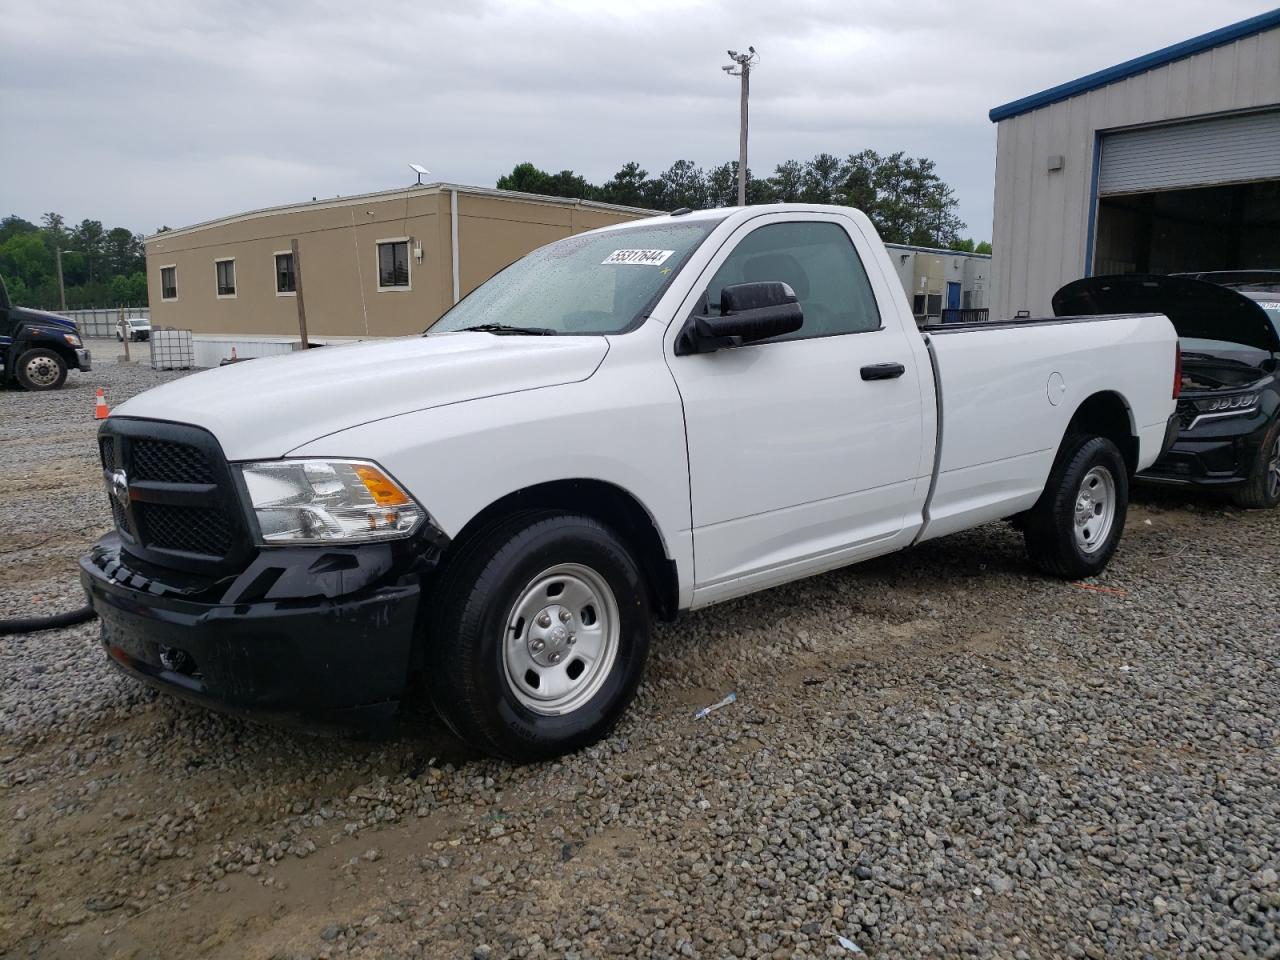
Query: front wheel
x=41, y=369
x=1263, y=488
x=538, y=634
x=1074, y=528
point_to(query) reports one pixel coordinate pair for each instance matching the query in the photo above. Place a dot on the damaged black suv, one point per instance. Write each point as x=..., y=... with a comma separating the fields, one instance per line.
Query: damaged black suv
x=1228, y=327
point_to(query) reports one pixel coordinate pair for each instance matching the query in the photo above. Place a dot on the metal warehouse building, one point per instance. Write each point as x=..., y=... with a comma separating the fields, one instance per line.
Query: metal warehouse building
x=1169, y=162
x=378, y=264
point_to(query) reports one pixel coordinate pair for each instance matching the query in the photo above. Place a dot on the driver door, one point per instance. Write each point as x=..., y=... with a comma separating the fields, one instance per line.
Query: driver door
x=797, y=463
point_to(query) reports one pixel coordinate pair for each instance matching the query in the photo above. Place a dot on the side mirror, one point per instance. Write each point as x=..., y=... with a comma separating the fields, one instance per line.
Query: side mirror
x=749, y=312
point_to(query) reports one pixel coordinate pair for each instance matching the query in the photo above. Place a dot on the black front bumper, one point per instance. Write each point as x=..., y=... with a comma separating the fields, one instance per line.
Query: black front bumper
x=312, y=635
x=1219, y=454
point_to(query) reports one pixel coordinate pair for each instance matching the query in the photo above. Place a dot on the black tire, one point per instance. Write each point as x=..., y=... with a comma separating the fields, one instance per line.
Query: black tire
x=1050, y=525
x=119, y=338
x=469, y=617
x=41, y=369
x=1262, y=491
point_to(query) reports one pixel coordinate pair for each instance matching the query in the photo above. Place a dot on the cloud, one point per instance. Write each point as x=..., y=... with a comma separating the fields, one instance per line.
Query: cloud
x=142, y=114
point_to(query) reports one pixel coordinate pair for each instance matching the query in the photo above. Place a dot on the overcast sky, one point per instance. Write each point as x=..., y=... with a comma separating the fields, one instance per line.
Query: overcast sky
x=147, y=113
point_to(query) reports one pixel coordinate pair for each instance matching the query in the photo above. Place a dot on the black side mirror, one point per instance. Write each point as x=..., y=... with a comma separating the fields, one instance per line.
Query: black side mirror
x=749, y=312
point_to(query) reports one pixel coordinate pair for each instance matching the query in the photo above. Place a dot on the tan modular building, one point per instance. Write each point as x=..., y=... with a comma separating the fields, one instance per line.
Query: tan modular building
x=1166, y=163
x=390, y=263
x=380, y=264
x=943, y=286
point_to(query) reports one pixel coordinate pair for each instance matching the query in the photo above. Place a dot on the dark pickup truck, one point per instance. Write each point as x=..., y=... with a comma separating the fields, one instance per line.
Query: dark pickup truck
x=37, y=348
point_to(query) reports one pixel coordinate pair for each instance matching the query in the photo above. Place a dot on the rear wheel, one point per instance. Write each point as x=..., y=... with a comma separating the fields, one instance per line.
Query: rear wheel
x=41, y=369
x=538, y=636
x=1074, y=528
x=1263, y=489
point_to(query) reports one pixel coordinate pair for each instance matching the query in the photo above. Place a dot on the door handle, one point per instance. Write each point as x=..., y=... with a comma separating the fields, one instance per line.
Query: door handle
x=883, y=371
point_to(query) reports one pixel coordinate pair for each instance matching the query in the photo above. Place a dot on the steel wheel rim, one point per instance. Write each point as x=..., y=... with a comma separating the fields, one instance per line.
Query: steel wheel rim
x=1095, y=511
x=1273, y=472
x=42, y=371
x=561, y=640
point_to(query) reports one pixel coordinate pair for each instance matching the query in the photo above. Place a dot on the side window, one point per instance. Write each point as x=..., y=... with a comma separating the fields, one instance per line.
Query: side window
x=819, y=263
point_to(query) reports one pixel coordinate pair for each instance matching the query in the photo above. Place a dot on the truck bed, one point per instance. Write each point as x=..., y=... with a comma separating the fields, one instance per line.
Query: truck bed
x=1007, y=390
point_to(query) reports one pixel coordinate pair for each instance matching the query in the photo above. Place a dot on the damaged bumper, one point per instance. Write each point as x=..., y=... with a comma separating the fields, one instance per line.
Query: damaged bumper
x=313, y=635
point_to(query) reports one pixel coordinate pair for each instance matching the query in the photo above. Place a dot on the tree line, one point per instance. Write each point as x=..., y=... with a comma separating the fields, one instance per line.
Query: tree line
x=100, y=267
x=904, y=196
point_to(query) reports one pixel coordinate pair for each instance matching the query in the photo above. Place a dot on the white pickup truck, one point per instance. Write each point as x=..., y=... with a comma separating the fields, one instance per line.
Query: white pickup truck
x=624, y=424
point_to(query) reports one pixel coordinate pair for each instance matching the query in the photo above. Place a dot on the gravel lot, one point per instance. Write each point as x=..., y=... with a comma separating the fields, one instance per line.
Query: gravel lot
x=935, y=754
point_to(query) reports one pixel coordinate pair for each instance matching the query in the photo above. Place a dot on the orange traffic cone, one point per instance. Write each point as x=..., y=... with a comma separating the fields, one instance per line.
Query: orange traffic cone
x=100, y=410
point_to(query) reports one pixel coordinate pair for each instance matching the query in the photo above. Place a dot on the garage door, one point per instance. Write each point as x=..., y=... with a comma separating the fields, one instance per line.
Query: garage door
x=1204, y=153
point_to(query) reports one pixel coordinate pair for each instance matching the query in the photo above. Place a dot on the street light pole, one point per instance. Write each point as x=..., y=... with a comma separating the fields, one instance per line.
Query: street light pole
x=741, y=67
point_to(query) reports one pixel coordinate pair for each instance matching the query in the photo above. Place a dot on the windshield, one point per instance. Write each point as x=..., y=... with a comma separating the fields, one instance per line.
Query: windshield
x=1272, y=306
x=594, y=283
x=1222, y=350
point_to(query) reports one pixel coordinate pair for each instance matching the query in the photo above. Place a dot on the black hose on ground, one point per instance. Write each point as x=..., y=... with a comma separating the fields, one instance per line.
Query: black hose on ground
x=32, y=624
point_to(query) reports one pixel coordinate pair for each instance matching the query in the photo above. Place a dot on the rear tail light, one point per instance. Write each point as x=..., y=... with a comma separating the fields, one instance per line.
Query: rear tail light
x=1177, y=371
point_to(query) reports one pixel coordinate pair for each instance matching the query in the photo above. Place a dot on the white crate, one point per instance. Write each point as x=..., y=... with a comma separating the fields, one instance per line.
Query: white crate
x=171, y=349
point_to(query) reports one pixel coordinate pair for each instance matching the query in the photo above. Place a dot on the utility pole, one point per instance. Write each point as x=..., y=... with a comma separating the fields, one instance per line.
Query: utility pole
x=62, y=290
x=741, y=67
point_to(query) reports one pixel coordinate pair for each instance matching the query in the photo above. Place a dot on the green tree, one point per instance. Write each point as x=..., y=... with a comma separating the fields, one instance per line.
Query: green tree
x=787, y=182
x=14, y=224
x=89, y=237
x=983, y=247
x=25, y=257
x=904, y=197
x=823, y=177
x=685, y=186
x=526, y=178
x=100, y=267
x=627, y=186
x=123, y=253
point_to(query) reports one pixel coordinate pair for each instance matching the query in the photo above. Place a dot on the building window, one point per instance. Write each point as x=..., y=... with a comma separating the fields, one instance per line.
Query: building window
x=935, y=304
x=917, y=305
x=226, y=274
x=393, y=264
x=169, y=283
x=286, y=283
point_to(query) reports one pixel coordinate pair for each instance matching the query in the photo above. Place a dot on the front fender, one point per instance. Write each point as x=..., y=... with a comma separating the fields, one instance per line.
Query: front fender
x=625, y=429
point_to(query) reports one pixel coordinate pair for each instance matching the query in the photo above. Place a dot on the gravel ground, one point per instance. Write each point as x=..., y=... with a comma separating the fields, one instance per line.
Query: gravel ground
x=934, y=754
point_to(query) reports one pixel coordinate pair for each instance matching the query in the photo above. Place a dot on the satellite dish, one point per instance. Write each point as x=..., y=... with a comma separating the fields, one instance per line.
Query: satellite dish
x=420, y=170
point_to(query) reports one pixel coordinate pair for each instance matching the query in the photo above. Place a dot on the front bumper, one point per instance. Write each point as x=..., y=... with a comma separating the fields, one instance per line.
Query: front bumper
x=1222, y=454
x=312, y=635
x=84, y=360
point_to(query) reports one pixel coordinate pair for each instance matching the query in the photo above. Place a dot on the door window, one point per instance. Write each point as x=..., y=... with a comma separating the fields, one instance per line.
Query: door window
x=818, y=262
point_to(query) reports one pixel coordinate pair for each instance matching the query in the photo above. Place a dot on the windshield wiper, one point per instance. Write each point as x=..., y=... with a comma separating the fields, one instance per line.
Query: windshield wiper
x=508, y=329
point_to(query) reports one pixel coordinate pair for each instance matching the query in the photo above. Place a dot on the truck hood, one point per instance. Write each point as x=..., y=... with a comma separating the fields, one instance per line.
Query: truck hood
x=264, y=408
x=1197, y=309
x=27, y=315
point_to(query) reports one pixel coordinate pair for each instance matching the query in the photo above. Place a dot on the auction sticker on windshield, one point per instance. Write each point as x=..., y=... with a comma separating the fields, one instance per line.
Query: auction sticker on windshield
x=643, y=258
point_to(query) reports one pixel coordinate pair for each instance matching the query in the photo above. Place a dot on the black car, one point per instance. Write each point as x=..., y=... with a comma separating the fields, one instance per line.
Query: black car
x=1229, y=330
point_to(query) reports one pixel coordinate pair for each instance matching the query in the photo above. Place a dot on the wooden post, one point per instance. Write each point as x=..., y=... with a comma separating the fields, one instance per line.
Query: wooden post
x=297, y=287
x=124, y=331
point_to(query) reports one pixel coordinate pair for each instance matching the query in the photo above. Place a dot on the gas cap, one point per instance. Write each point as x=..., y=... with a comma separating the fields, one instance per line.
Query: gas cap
x=1056, y=388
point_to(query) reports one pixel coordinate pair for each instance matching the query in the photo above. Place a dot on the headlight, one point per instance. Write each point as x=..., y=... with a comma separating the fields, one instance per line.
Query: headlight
x=325, y=501
x=72, y=339
x=1240, y=403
